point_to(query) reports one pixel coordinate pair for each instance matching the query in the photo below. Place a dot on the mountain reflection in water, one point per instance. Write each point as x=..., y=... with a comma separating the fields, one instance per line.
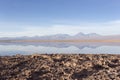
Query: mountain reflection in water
x=58, y=47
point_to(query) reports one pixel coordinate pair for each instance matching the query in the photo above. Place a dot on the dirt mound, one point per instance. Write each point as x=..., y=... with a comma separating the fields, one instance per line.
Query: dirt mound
x=60, y=67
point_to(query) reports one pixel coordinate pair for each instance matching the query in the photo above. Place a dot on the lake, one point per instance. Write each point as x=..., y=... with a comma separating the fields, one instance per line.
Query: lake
x=59, y=48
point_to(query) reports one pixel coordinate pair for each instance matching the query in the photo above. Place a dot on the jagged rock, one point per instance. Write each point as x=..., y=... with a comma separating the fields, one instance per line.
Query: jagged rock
x=60, y=67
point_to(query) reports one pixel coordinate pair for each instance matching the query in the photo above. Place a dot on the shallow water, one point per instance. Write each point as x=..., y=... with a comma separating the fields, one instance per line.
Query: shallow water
x=71, y=48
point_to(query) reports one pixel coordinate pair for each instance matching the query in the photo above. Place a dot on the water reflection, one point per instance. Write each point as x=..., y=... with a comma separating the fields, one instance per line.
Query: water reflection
x=29, y=48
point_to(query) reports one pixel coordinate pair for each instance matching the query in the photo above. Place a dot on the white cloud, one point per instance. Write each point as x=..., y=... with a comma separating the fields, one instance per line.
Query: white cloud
x=107, y=28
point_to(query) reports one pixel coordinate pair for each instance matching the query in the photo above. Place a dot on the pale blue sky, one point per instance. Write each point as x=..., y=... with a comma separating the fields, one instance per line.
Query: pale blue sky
x=45, y=17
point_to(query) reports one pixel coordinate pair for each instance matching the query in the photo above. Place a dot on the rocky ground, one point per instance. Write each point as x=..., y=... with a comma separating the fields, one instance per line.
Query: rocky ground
x=60, y=67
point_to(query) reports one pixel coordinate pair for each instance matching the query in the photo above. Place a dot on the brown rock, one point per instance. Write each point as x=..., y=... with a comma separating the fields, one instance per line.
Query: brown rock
x=60, y=67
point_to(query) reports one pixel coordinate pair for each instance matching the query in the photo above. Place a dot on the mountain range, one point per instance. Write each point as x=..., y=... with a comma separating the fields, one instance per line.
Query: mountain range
x=79, y=36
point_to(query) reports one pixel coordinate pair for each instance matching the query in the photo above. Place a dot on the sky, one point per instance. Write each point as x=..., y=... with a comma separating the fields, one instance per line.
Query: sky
x=48, y=17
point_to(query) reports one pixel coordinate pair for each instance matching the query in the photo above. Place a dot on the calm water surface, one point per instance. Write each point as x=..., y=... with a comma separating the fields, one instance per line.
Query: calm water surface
x=29, y=48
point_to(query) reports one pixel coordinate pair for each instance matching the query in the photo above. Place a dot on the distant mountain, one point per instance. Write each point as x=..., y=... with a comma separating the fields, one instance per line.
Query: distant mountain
x=79, y=36
x=55, y=37
x=93, y=34
x=85, y=36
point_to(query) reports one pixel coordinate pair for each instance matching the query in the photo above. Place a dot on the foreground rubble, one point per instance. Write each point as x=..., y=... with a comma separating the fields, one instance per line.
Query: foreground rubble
x=60, y=67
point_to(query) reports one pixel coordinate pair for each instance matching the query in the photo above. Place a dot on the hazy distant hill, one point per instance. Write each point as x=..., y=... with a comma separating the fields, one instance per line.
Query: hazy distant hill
x=79, y=36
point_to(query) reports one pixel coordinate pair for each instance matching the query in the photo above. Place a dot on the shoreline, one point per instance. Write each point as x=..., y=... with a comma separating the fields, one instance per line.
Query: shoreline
x=60, y=67
x=66, y=41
